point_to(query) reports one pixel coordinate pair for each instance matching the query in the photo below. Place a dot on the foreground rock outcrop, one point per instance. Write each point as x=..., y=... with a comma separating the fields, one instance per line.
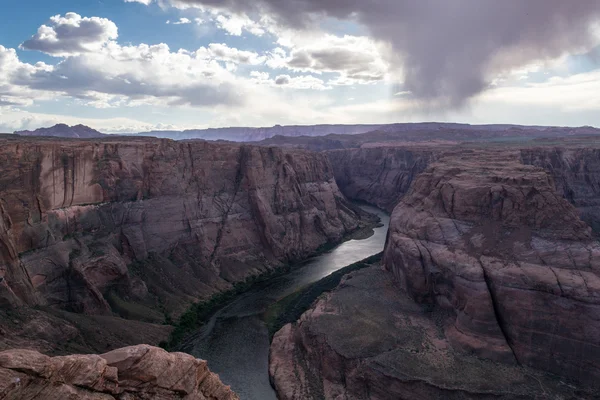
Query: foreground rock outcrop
x=140, y=372
x=490, y=285
x=142, y=228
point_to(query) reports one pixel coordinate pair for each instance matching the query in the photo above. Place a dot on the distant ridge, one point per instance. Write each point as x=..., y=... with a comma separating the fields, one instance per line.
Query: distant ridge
x=398, y=130
x=246, y=134
x=66, y=131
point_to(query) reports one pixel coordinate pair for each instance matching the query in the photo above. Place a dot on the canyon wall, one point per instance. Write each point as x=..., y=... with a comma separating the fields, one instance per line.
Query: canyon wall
x=143, y=228
x=489, y=239
x=576, y=173
x=382, y=175
x=379, y=175
x=490, y=285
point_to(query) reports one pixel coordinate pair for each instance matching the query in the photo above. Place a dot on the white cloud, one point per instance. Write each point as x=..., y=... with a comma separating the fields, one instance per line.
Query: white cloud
x=304, y=82
x=182, y=21
x=11, y=69
x=579, y=92
x=145, y=2
x=125, y=75
x=357, y=60
x=222, y=52
x=71, y=35
x=236, y=24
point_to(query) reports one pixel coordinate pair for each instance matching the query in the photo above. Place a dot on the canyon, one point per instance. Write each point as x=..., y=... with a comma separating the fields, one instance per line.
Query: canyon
x=488, y=286
x=103, y=241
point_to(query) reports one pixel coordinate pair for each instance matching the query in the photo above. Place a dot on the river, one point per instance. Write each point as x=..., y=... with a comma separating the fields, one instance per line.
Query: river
x=235, y=341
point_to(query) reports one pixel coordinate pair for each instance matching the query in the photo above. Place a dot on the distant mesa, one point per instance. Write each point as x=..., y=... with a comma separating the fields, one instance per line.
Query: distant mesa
x=65, y=131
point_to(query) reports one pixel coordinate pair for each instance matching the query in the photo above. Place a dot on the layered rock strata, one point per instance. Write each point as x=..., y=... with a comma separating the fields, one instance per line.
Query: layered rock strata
x=143, y=228
x=367, y=340
x=132, y=373
x=489, y=239
x=491, y=284
x=576, y=173
x=379, y=175
x=382, y=175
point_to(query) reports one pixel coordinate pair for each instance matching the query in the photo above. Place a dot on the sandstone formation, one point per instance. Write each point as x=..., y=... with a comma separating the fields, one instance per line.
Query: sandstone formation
x=64, y=131
x=382, y=175
x=489, y=239
x=491, y=284
x=576, y=173
x=140, y=372
x=367, y=340
x=143, y=228
x=379, y=175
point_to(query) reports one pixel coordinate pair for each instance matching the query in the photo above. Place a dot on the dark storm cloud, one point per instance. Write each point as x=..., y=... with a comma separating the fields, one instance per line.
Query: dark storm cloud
x=448, y=49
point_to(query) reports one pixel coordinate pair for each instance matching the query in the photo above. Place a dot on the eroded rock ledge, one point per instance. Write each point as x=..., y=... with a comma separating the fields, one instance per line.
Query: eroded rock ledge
x=490, y=286
x=132, y=373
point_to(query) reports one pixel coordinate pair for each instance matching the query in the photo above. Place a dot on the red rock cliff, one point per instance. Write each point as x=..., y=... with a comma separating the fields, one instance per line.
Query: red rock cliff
x=143, y=228
x=489, y=239
x=490, y=285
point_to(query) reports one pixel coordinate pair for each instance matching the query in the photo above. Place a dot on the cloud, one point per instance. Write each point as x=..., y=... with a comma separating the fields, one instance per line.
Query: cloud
x=115, y=75
x=122, y=75
x=144, y=2
x=11, y=69
x=16, y=120
x=181, y=21
x=448, y=51
x=303, y=82
x=357, y=60
x=222, y=52
x=72, y=34
x=282, y=80
x=580, y=92
x=236, y=24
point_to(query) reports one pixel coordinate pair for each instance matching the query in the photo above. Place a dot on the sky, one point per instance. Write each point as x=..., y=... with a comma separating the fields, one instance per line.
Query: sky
x=137, y=65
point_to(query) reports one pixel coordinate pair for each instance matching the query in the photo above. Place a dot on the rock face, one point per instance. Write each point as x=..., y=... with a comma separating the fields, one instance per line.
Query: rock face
x=379, y=175
x=490, y=284
x=576, y=173
x=64, y=131
x=492, y=242
x=142, y=228
x=140, y=372
x=382, y=175
x=367, y=340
